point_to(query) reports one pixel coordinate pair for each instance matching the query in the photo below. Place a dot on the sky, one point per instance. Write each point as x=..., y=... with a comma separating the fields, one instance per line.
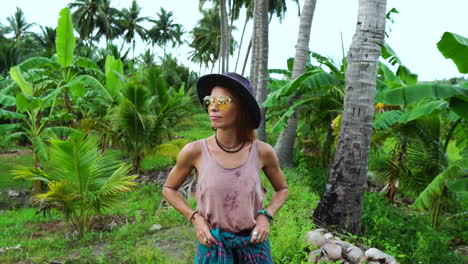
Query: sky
x=413, y=35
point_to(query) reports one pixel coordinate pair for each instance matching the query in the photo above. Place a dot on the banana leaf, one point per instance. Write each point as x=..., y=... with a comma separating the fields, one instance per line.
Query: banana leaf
x=17, y=76
x=113, y=82
x=7, y=100
x=413, y=93
x=423, y=109
x=435, y=189
x=37, y=62
x=5, y=114
x=455, y=47
x=387, y=119
x=65, y=41
x=459, y=106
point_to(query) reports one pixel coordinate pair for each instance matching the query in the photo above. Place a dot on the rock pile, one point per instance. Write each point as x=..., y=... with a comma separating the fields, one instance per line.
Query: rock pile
x=329, y=249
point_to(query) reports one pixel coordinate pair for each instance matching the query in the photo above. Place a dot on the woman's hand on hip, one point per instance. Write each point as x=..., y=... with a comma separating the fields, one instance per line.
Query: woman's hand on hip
x=202, y=228
x=261, y=230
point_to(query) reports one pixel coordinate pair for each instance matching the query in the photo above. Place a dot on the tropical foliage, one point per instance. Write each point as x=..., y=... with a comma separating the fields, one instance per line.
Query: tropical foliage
x=81, y=180
x=96, y=117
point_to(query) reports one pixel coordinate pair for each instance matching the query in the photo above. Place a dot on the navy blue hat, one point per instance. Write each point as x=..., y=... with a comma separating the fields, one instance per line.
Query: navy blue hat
x=237, y=84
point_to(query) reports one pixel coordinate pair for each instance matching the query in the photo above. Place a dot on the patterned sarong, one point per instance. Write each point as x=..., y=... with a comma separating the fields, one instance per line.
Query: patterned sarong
x=233, y=249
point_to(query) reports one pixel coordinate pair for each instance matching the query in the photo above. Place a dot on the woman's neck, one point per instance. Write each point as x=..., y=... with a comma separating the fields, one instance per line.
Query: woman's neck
x=227, y=137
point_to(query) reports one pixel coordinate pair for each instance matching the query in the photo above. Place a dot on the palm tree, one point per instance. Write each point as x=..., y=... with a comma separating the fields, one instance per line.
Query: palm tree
x=3, y=32
x=149, y=111
x=206, y=37
x=18, y=25
x=106, y=22
x=84, y=17
x=130, y=25
x=10, y=55
x=165, y=30
x=47, y=40
x=285, y=144
x=80, y=194
x=341, y=205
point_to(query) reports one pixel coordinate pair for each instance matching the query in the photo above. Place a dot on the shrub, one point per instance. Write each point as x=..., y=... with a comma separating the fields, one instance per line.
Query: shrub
x=81, y=180
x=409, y=237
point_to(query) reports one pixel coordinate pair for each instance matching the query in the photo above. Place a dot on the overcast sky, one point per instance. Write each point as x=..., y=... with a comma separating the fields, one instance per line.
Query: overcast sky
x=414, y=34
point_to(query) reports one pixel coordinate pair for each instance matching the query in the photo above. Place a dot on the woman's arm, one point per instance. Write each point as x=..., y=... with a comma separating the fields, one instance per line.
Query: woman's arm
x=272, y=170
x=188, y=156
x=180, y=172
x=270, y=164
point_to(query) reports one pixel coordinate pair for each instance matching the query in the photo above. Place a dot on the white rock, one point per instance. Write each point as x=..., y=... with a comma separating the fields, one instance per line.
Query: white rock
x=314, y=255
x=13, y=193
x=354, y=254
x=155, y=227
x=332, y=251
x=328, y=236
x=390, y=259
x=314, y=238
x=344, y=244
x=375, y=254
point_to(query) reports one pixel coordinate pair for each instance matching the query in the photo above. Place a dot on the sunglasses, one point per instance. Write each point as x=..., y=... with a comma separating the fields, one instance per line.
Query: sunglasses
x=223, y=102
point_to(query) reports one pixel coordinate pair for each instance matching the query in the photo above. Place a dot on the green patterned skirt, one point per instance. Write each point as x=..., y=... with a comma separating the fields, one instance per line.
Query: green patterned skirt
x=233, y=249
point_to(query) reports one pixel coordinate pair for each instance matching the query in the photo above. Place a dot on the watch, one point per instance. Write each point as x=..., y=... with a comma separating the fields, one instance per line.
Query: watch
x=265, y=213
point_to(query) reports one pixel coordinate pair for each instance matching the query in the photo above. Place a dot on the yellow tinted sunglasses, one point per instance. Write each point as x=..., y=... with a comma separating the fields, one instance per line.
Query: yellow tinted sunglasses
x=223, y=102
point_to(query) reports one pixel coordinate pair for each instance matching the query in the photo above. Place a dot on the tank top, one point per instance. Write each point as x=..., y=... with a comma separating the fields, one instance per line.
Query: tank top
x=229, y=198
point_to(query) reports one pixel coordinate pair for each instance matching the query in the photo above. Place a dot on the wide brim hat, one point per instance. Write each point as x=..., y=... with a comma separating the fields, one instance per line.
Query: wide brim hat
x=235, y=83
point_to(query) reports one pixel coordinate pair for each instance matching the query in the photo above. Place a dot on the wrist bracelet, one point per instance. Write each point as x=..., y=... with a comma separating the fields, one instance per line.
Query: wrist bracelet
x=265, y=213
x=193, y=216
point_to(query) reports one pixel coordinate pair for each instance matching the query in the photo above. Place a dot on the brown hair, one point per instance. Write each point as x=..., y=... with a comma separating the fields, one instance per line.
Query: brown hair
x=244, y=123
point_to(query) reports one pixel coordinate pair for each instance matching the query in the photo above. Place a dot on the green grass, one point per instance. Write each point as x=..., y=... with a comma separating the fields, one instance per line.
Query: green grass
x=9, y=163
x=197, y=127
x=43, y=239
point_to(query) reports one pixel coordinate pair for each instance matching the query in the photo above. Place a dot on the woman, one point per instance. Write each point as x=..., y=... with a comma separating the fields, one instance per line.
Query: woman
x=230, y=221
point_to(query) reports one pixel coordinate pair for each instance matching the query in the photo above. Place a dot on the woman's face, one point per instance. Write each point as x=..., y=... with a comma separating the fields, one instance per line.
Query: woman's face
x=223, y=116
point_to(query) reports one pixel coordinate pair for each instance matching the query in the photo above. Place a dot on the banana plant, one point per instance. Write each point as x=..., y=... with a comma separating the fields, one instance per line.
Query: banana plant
x=454, y=178
x=319, y=96
x=31, y=103
x=426, y=118
x=7, y=131
x=82, y=181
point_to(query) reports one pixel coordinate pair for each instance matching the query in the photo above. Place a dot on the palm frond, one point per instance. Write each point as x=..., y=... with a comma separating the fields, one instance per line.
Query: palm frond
x=31, y=174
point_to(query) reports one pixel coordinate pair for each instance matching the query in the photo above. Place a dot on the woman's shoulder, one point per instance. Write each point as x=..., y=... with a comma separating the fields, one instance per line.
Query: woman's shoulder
x=190, y=152
x=265, y=149
x=192, y=148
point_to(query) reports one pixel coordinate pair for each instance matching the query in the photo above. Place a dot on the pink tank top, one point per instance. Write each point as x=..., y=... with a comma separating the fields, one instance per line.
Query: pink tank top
x=229, y=198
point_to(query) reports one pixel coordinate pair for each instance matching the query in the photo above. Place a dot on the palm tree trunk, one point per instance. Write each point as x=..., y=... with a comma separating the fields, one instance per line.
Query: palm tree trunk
x=341, y=205
x=249, y=48
x=285, y=145
x=254, y=41
x=224, y=35
x=262, y=60
x=240, y=44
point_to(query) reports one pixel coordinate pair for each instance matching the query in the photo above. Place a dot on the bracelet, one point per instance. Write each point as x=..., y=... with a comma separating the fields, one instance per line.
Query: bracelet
x=265, y=213
x=193, y=216
x=281, y=189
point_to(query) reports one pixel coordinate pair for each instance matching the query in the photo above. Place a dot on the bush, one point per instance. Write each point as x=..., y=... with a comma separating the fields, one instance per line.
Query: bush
x=408, y=237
